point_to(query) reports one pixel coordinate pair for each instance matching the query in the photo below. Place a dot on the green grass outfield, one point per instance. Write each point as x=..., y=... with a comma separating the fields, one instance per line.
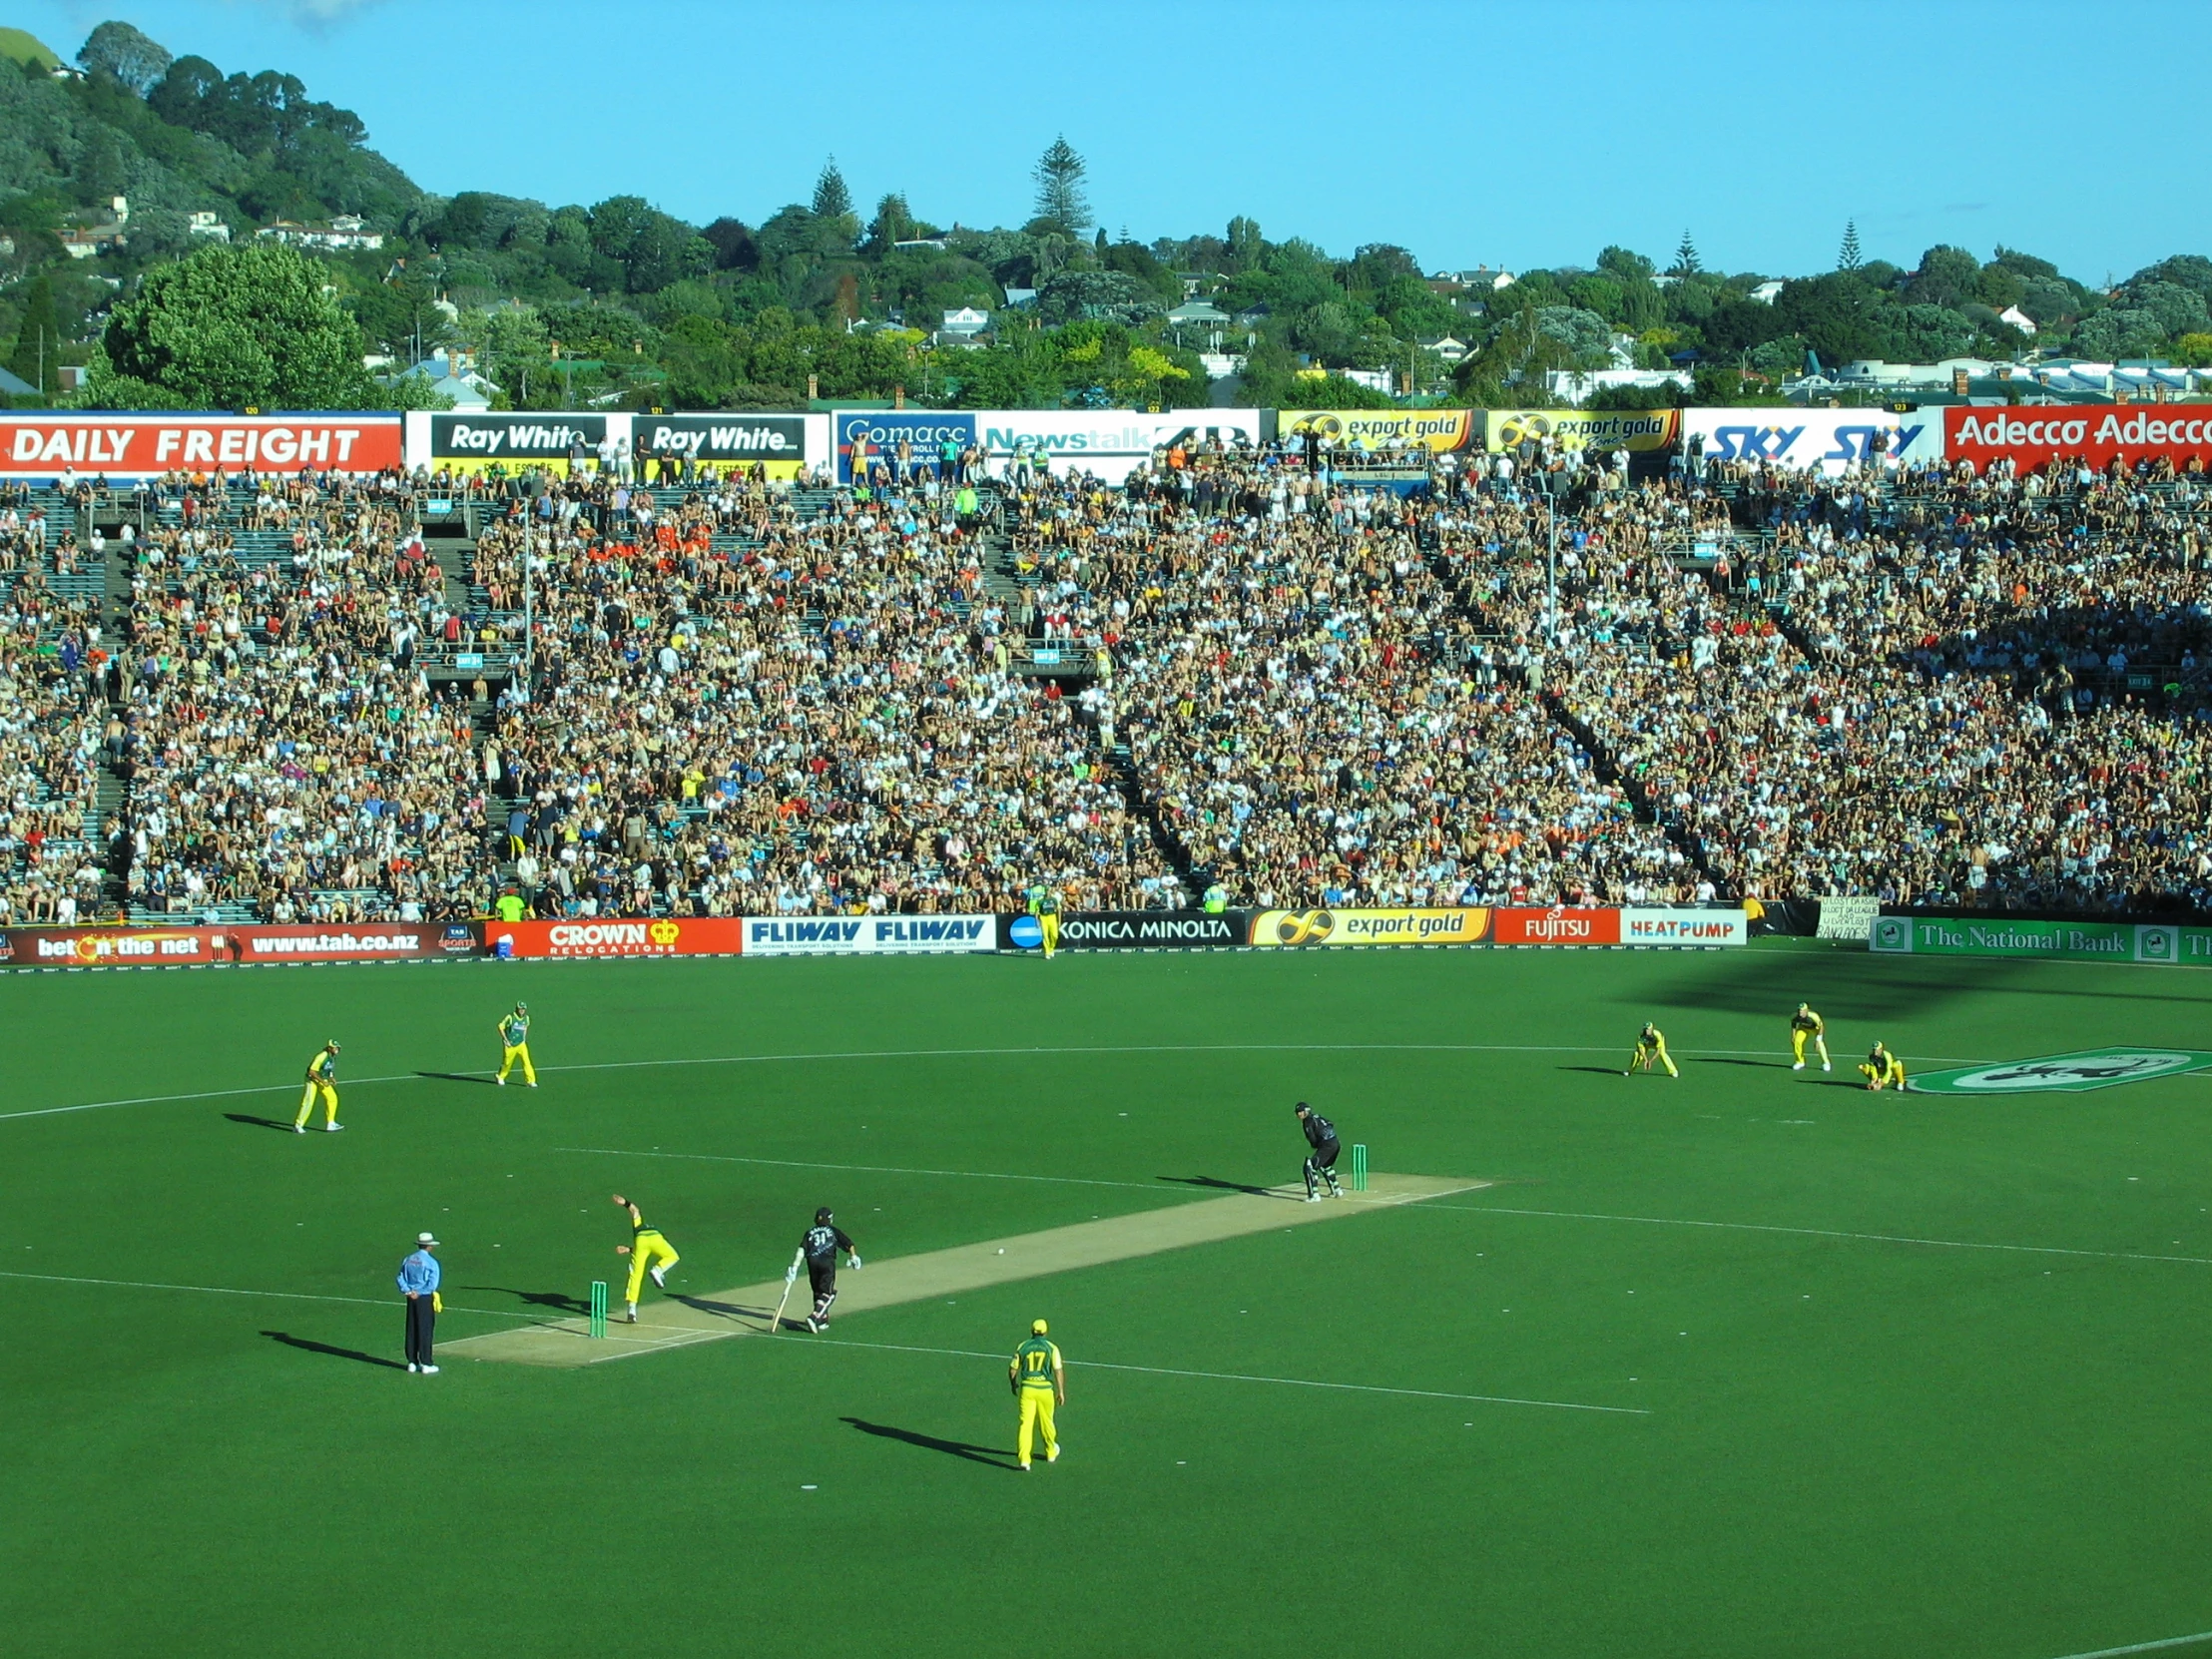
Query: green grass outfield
x=1858, y=1441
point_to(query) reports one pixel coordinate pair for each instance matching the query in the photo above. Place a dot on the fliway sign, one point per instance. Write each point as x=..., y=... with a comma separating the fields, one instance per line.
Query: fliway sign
x=137, y=445
x=868, y=936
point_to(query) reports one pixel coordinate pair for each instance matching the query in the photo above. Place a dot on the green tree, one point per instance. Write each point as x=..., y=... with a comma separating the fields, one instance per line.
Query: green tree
x=1849, y=257
x=231, y=327
x=38, y=337
x=831, y=199
x=1059, y=175
x=1947, y=277
x=132, y=58
x=1625, y=267
x=1685, y=259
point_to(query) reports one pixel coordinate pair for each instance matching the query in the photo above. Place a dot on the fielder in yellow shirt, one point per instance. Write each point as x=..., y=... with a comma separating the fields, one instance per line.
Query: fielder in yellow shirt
x=649, y=1252
x=1040, y=1381
x=322, y=1079
x=1803, y=1024
x=1883, y=1069
x=1651, y=1049
x=514, y=1044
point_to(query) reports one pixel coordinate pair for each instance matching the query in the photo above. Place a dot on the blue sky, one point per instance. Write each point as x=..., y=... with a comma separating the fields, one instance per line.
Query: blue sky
x=1518, y=135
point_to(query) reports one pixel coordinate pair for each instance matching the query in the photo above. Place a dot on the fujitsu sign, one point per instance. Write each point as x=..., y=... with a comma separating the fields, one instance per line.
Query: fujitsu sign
x=2033, y=436
x=132, y=445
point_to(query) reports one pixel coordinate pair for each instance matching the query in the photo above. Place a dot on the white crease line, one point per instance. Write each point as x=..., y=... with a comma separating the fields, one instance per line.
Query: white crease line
x=1244, y=1377
x=965, y=1053
x=228, y=1289
x=1816, y=1233
x=2143, y=1647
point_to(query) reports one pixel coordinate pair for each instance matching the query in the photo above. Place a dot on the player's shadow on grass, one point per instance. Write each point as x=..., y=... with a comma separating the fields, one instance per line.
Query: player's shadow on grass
x=559, y=1300
x=290, y=1341
x=726, y=1310
x=1217, y=1181
x=1755, y=1065
x=459, y=1077
x=253, y=1122
x=997, y=1457
x=1595, y=1071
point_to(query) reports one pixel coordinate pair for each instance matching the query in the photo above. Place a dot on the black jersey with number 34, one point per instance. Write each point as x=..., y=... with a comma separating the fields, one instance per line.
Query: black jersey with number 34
x=823, y=1242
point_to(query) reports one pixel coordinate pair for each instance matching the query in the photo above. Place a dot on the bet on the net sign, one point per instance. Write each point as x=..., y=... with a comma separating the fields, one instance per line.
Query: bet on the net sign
x=2091, y=1068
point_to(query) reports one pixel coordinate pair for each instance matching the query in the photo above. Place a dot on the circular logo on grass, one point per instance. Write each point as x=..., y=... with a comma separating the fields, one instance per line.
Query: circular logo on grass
x=2099, y=1068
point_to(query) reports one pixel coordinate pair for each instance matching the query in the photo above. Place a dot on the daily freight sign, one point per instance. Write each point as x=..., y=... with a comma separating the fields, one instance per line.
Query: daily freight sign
x=2034, y=437
x=139, y=446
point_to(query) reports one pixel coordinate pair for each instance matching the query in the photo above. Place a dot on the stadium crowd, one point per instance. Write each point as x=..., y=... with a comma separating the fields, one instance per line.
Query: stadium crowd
x=1934, y=686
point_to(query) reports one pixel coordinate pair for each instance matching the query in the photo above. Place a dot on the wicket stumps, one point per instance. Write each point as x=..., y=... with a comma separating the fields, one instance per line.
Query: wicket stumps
x=598, y=1306
x=1359, y=1168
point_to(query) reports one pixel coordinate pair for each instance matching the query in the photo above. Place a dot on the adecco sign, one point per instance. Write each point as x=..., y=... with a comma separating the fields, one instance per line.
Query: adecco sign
x=137, y=446
x=2034, y=437
x=1832, y=440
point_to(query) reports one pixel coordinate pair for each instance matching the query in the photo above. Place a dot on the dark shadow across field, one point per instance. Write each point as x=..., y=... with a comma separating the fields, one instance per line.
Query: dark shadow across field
x=560, y=1299
x=310, y=1347
x=459, y=1077
x=253, y=1122
x=997, y=1457
x=1216, y=1183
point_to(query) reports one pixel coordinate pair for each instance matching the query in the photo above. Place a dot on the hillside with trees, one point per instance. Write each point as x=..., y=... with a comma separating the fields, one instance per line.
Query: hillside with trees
x=620, y=303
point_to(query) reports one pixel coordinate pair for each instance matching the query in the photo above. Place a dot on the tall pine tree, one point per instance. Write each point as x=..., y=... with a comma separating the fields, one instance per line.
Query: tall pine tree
x=37, y=339
x=831, y=199
x=1849, y=259
x=1059, y=178
x=1685, y=258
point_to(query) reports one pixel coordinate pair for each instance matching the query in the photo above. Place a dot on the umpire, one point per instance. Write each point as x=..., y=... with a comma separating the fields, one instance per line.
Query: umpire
x=1321, y=1135
x=820, y=1246
x=418, y=1278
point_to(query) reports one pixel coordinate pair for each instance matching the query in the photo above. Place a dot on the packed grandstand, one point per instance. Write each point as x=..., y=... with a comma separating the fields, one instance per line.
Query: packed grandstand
x=1248, y=663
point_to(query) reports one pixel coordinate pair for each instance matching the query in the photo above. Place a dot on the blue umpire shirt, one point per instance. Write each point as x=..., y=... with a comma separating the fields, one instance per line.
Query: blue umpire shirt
x=419, y=1272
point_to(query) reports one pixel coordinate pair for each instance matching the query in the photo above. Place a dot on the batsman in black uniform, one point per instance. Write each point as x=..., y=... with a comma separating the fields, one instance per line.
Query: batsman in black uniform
x=820, y=1246
x=1321, y=1163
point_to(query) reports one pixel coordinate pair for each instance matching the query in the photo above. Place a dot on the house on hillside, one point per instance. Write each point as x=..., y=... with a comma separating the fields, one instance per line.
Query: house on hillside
x=1767, y=292
x=343, y=234
x=101, y=236
x=452, y=375
x=207, y=225
x=960, y=328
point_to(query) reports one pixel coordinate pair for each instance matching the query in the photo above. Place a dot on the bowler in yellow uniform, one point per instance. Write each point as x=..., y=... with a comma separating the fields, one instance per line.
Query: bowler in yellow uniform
x=1883, y=1070
x=323, y=1080
x=649, y=1252
x=1039, y=1382
x=1807, y=1025
x=1044, y=904
x=1651, y=1049
x=514, y=1044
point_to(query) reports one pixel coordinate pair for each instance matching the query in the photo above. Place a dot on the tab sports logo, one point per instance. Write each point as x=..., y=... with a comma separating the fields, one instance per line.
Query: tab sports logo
x=2091, y=1068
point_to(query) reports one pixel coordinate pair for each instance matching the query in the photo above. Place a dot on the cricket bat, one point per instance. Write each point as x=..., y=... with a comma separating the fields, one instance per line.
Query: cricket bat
x=790, y=1278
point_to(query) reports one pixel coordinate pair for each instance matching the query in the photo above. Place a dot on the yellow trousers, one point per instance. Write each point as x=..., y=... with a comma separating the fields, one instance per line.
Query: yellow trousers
x=1049, y=924
x=1036, y=1417
x=329, y=1102
x=1796, y=1046
x=507, y=1058
x=1876, y=1078
x=647, y=1250
x=1646, y=1054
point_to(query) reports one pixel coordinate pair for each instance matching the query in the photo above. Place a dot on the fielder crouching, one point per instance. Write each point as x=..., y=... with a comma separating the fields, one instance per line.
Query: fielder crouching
x=820, y=1246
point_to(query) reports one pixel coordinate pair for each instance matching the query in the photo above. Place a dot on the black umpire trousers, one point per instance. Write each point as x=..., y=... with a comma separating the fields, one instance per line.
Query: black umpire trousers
x=422, y=1318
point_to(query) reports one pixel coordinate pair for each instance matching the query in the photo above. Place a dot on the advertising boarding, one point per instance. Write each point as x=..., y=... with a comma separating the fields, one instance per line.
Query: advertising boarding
x=1439, y=431
x=777, y=441
x=1558, y=926
x=1635, y=430
x=1298, y=928
x=1684, y=925
x=618, y=936
x=868, y=936
x=1832, y=442
x=471, y=443
x=1130, y=930
x=871, y=436
x=361, y=942
x=142, y=446
x=1108, y=443
x=2032, y=437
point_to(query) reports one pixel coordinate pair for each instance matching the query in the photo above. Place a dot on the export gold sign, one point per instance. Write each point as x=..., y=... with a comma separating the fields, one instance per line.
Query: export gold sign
x=1398, y=927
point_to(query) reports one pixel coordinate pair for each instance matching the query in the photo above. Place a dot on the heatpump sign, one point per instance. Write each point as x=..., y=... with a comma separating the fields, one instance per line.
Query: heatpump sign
x=1828, y=440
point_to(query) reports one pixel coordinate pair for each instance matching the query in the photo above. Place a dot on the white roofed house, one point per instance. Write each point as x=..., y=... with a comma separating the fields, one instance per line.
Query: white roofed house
x=960, y=328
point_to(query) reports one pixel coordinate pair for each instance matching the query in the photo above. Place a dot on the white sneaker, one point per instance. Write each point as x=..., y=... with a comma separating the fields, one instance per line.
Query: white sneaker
x=411, y=1365
x=1313, y=1197
x=501, y=1081
x=811, y=1325
x=429, y=1371
x=299, y=1129
x=333, y=1127
x=1824, y=1066
x=532, y=1084
x=1800, y=1066
x=658, y=1279
x=631, y=1317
